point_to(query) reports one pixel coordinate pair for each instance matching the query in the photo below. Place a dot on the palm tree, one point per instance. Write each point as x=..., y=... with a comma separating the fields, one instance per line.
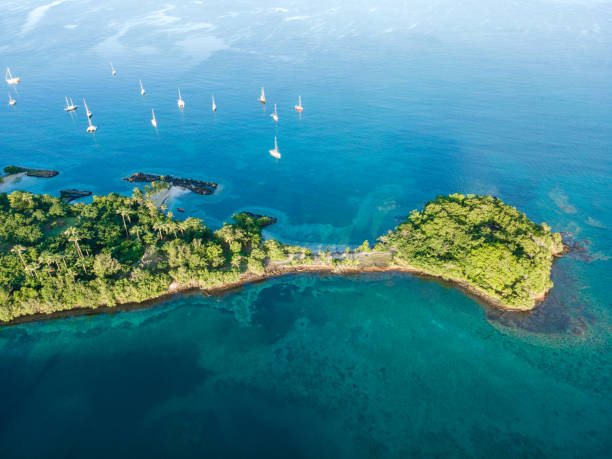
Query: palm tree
x=33, y=268
x=74, y=236
x=135, y=230
x=152, y=208
x=137, y=196
x=48, y=259
x=236, y=261
x=170, y=226
x=18, y=249
x=158, y=226
x=63, y=258
x=125, y=212
x=48, y=270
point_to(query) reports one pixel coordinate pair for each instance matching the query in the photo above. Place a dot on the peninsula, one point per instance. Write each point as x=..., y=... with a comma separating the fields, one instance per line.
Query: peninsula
x=56, y=256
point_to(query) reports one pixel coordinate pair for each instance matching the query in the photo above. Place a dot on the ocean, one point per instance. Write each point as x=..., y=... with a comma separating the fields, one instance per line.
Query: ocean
x=402, y=102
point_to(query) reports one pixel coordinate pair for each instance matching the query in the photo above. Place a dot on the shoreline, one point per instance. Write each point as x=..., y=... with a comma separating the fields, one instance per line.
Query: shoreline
x=175, y=290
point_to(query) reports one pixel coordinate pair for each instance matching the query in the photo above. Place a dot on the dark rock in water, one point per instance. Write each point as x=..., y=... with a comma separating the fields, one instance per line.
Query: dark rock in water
x=577, y=249
x=71, y=195
x=197, y=186
x=42, y=173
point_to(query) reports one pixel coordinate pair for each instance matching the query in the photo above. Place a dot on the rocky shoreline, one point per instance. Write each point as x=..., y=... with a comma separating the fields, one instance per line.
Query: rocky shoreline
x=41, y=173
x=271, y=272
x=197, y=186
x=72, y=194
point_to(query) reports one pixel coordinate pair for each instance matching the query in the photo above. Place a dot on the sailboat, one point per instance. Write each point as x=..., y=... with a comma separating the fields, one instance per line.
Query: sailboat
x=299, y=107
x=180, y=102
x=214, y=106
x=275, y=152
x=142, y=91
x=9, y=77
x=114, y=72
x=275, y=114
x=91, y=128
x=89, y=114
x=70, y=107
x=153, y=120
x=11, y=100
x=262, y=97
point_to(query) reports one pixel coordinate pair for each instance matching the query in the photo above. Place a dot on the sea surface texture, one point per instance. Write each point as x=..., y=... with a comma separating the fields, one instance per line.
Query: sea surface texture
x=402, y=101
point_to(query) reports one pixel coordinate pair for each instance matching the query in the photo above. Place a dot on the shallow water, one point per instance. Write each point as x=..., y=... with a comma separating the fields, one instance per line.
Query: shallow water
x=513, y=102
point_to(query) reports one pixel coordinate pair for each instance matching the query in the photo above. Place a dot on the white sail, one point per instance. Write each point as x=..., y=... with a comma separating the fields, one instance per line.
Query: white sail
x=11, y=100
x=142, y=90
x=89, y=114
x=153, y=120
x=214, y=106
x=180, y=102
x=113, y=71
x=275, y=114
x=262, y=97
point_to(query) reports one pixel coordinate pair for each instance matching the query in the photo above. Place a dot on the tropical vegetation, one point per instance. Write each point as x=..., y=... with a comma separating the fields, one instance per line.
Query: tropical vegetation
x=56, y=256
x=480, y=241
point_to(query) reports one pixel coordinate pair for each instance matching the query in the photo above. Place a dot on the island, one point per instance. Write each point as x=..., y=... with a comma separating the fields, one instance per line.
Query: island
x=197, y=186
x=118, y=250
x=40, y=173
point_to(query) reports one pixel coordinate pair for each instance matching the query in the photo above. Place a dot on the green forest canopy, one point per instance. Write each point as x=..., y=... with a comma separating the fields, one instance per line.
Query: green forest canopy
x=481, y=241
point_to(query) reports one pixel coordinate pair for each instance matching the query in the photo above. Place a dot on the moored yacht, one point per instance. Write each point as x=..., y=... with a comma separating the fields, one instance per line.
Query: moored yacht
x=275, y=114
x=91, y=128
x=275, y=151
x=180, y=102
x=153, y=120
x=142, y=90
x=9, y=77
x=214, y=106
x=299, y=107
x=11, y=100
x=262, y=96
x=70, y=106
x=113, y=71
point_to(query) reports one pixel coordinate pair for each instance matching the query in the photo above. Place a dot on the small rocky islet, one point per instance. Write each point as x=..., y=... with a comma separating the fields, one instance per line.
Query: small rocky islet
x=68, y=195
x=40, y=173
x=197, y=186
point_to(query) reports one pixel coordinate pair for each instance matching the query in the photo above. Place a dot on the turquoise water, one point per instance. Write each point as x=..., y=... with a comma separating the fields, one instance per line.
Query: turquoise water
x=401, y=103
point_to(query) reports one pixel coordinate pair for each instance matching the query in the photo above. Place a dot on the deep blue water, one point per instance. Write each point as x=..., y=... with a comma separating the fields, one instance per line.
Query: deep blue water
x=402, y=102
